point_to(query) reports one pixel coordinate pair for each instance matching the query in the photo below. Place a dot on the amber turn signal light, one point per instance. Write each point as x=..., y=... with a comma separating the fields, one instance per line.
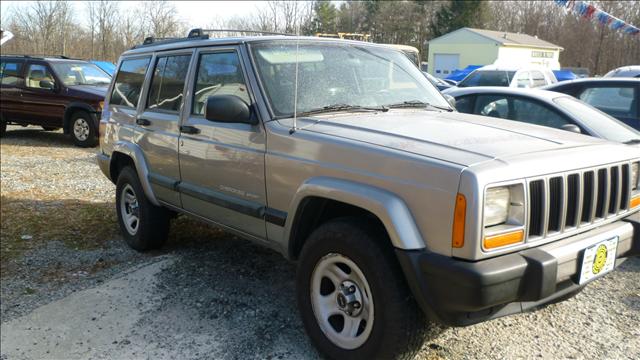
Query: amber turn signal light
x=459, y=213
x=496, y=241
x=635, y=201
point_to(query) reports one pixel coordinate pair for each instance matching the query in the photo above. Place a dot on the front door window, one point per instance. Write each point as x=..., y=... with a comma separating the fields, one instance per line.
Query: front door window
x=39, y=77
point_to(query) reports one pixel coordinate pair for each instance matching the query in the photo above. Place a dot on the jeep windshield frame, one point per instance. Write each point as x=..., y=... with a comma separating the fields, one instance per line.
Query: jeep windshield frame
x=356, y=75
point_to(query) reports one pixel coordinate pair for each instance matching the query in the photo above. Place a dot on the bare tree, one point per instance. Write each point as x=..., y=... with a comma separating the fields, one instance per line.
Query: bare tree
x=49, y=27
x=43, y=26
x=159, y=19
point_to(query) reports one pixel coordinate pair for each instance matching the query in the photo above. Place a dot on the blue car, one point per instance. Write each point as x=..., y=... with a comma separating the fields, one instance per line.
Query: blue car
x=105, y=66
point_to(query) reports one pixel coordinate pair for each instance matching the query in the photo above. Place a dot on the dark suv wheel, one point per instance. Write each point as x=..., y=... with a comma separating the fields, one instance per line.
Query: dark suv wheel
x=352, y=295
x=83, y=129
x=144, y=226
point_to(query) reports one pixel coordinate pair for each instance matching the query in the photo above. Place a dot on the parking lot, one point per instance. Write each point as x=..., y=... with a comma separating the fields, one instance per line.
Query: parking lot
x=71, y=288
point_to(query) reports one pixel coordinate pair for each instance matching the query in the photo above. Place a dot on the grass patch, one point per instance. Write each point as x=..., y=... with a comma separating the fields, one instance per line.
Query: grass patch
x=78, y=224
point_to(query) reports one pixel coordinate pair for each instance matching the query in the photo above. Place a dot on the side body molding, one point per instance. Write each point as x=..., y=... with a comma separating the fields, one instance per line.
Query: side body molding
x=134, y=152
x=390, y=209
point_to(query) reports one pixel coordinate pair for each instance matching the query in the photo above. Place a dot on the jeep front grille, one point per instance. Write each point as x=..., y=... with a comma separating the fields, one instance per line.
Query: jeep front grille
x=559, y=203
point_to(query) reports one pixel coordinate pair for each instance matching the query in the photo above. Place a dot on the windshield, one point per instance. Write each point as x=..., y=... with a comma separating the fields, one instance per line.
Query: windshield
x=339, y=73
x=488, y=78
x=604, y=125
x=80, y=74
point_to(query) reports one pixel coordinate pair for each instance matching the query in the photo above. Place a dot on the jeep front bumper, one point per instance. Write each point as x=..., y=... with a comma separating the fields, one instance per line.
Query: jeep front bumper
x=458, y=292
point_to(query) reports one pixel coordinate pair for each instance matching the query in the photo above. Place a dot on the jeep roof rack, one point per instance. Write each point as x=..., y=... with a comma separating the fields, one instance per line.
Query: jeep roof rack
x=41, y=56
x=200, y=34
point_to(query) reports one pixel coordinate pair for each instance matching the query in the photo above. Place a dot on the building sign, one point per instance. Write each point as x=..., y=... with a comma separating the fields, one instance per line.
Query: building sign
x=542, y=54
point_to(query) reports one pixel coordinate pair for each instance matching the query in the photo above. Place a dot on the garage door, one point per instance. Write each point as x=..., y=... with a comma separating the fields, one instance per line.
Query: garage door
x=445, y=64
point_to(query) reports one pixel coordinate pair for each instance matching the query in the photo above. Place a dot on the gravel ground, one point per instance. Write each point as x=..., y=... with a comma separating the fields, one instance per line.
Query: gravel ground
x=76, y=291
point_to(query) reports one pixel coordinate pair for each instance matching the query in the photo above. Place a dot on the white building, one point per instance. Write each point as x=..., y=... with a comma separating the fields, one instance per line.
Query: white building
x=467, y=46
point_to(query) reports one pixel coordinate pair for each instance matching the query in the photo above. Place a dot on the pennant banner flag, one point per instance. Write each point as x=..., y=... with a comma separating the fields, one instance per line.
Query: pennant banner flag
x=590, y=12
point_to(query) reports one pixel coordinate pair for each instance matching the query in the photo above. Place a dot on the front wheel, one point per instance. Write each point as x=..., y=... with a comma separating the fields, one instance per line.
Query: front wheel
x=353, y=297
x=144, y=226
x=83, y=129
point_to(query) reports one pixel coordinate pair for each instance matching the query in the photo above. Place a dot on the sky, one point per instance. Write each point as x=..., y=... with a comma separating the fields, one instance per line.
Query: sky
x=194, y=13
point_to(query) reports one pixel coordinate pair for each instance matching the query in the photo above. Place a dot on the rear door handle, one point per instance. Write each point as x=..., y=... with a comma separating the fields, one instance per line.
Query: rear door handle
x=188, y=129
x=143, y=122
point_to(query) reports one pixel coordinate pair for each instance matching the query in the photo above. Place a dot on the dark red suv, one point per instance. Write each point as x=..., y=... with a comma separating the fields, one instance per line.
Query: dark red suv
x=53, y=92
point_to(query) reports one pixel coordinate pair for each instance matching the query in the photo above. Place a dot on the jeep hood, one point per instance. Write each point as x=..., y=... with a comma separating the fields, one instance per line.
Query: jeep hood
x=454, y=137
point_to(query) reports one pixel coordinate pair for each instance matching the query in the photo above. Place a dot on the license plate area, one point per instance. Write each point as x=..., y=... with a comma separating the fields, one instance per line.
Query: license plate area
x=598, y=259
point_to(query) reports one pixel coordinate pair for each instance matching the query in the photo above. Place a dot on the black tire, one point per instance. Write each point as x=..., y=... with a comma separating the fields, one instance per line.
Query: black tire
x=88, y=136
x=49, y=128
x=399, y=326
x=3, y=128
x=153, y=221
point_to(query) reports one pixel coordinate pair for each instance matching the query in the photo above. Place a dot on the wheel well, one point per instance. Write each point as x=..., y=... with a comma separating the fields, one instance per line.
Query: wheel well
x=118, y=162
x=315, y=211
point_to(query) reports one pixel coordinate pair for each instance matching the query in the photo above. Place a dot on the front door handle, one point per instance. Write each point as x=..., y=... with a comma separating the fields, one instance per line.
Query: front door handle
x=143, y=122
x=188, y=129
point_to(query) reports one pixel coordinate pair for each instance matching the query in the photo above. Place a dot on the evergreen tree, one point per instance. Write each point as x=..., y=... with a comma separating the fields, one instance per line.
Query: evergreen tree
x=325, y=17
x=458, y=14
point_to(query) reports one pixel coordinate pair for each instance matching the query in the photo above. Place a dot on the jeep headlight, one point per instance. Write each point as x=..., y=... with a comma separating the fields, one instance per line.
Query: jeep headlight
x=503, y=216
x=496, y=206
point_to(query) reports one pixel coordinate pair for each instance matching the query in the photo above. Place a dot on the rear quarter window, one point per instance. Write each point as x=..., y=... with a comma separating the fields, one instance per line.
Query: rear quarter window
x=129, y=80
x=10, y=72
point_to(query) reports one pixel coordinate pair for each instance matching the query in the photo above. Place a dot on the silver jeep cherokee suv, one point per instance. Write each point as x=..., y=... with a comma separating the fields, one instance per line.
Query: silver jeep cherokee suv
x=400, y=212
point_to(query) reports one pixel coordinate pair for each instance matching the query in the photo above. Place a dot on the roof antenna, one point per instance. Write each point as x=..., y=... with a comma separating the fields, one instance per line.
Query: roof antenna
x=295, y=86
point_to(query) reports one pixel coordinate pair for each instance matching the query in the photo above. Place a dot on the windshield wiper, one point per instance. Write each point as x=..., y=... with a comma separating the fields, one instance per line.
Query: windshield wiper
x=632, y=141
x=417, y=104
x=342, y=107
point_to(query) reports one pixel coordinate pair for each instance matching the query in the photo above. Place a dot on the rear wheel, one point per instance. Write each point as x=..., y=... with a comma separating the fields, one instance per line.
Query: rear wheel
x=352, y=295
x=144, y=226
x=83, y=130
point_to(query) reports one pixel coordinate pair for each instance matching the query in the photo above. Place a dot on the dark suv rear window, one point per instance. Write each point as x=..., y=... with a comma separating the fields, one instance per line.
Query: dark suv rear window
x=10, y=72
x=128, y=86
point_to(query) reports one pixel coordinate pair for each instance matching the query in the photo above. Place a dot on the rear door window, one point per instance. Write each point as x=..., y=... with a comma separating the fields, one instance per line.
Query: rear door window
x=128, y=85
x=538, y=79
x=617, y=101
x=532, y=112
x=218, y=74
x=167, y=85
x=10, y=72
x=492, y=105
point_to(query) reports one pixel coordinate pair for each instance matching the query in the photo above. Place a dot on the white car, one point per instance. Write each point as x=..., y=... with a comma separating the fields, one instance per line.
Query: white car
x=625, y=71
x=509, y=76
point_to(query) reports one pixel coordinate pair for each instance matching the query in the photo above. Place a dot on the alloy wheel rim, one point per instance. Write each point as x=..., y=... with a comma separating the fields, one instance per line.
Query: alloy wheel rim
x=130, y=209
x=342, y=301
x=81, y=129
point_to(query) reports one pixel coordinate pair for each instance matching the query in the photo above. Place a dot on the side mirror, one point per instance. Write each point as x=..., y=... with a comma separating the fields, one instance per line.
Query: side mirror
x=46, y=84
x=451, y=100
x=228, y=109
x=572, y=127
